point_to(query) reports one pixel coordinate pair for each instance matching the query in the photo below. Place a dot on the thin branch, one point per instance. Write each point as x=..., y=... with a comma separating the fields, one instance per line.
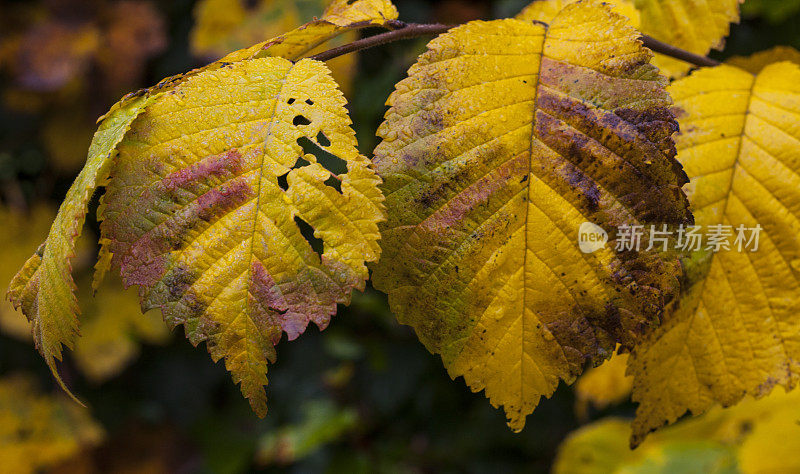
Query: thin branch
x=677, y=53
x=400, y=30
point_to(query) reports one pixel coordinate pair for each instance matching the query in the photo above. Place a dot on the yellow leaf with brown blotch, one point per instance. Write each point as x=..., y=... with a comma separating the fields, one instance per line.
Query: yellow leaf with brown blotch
x=44, y=287
x=736, y=331
x=505, y=138
x=228, y=225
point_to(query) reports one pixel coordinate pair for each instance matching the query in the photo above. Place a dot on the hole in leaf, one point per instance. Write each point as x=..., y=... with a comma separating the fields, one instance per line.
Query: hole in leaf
x=323, y=140
x=300, y=163
x=329, y=161
x=300, y=120
x=290, y=101
x=309, y=102
x=308, y=233
x=283, y=181
x=334, y=182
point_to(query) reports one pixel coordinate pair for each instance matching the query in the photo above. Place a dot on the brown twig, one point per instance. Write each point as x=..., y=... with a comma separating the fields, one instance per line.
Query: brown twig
x=400, y=30
x=677, y=53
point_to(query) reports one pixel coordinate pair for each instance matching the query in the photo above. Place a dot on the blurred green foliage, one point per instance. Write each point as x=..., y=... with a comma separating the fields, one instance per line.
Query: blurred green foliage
x=774, y=11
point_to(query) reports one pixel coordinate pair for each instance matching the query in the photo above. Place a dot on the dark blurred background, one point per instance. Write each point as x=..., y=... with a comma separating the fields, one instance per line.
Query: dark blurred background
x=364, y=395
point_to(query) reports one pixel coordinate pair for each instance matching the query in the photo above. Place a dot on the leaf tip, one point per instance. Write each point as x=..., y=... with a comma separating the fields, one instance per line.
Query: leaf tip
x=259, y=404
x=54, y=370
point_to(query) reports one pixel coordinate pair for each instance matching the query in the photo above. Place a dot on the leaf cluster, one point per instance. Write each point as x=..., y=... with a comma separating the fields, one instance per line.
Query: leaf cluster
x=237, y=201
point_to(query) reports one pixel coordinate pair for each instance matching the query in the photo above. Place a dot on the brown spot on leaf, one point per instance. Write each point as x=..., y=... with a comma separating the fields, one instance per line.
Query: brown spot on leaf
x=142, y=261
x=269, y=303
x=222, y=165
x=468, y=198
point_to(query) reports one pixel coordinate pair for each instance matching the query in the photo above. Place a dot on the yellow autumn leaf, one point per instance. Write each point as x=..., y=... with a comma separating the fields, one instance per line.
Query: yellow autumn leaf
x=697, y=26
x=736, y=330
x=603, y=386
x=20, y=233
x=773, y=445
x=754, y=437
x=505, y=138
x=546, y=10
x=694, y=25
x=758, y=61
x=43, y=288
x=39, y=430
x=213, y=199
